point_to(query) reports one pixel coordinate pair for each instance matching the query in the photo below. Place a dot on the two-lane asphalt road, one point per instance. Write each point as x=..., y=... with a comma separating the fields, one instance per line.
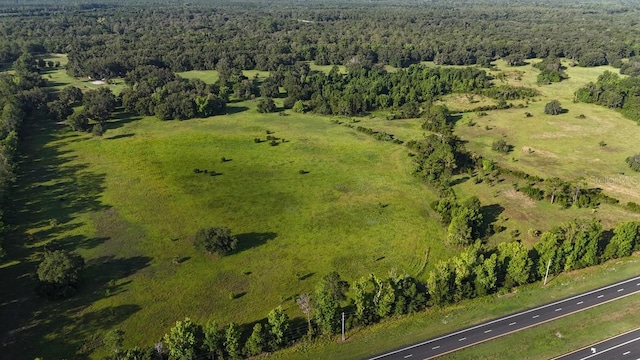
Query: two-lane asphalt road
x=625, y=346
x=499, y=327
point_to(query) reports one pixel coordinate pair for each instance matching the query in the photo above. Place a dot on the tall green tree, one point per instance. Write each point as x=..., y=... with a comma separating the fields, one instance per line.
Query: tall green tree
x=515, y=262
x=232, y=340
x=256, y=343
x=213, y=342
x=59, y=273
x=181, y=340
x=330, y=292
x=626, y=238
x=278, y=326
x=441, y=284
x=98, y=104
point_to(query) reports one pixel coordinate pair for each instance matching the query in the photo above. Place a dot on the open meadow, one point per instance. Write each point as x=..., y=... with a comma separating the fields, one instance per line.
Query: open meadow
x=324, y=197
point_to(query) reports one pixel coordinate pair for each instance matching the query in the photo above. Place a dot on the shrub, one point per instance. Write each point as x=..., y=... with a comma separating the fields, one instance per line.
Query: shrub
x=97, y=130
x=298, y=107
x=634, y=162
x=216, y=240
x=553, y=107
x=501, y=146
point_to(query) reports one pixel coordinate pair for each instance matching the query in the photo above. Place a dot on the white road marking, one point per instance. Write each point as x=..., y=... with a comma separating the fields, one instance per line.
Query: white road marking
x=408, y=356
x=462, y=339
x=513, y=323
x=626, y=353
x=600, y=296
x=638, y=284
x=637, y=278
x=535, y=316
x=611, y=348
x=619, y=290
x=435, y=347
x=580, y=303
x=559, y=309
x=487, y=331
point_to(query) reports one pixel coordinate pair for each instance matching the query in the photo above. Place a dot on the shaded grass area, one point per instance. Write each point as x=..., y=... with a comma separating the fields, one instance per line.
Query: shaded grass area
x=54, y=199
x=540, y=342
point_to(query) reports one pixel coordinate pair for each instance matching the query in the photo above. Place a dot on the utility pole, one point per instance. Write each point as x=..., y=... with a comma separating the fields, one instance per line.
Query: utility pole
x=547, y=274
x=343, y=326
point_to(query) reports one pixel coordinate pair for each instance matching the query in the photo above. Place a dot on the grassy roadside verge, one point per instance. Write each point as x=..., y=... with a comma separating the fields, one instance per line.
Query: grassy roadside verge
x=536, y=343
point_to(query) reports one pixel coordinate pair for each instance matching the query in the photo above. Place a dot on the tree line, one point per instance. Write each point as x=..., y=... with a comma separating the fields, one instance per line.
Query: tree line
x=21, y=96
x=614, y=92
x=105, y=41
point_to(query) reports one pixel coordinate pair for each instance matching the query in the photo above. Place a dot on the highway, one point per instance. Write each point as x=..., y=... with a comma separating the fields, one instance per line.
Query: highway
x=624, y=346
x=515, y=322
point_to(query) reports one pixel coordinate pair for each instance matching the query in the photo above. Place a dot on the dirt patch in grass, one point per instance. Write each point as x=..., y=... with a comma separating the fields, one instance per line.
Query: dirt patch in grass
x=522, y=199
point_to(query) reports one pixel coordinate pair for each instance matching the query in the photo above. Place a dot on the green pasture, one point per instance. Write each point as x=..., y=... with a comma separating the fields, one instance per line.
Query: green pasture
x=130, y=203
x=326, y=198
x=565, y=145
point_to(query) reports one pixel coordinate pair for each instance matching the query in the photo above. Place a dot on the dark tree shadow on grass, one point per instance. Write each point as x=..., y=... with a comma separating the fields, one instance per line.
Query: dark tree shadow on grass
x=38, y=318
x=459, y=180
x=53, y=190
x=120, y=136
x=119, y=118
x=249, y=240
x=490, y=214
x=235, y=109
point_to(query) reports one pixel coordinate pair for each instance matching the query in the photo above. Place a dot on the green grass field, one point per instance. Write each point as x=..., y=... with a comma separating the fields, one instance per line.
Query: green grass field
x=130, y=203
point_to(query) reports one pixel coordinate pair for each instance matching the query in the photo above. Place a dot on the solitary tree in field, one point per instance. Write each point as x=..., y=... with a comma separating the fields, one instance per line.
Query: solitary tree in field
x=216, y=240
x=59, y=273
x=553, y=107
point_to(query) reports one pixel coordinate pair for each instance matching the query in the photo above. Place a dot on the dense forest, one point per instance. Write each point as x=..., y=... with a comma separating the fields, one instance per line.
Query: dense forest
x=107, y=40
